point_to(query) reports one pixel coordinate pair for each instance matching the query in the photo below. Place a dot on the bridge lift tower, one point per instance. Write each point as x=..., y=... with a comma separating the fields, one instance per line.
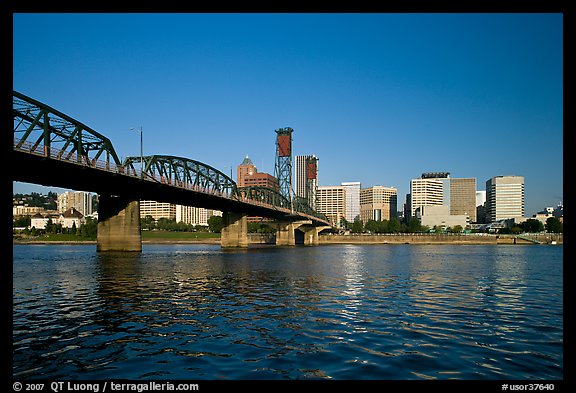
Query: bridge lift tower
x=283, y=166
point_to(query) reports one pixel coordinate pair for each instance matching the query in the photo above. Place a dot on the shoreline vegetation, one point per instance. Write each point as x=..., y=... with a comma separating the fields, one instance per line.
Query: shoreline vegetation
x=167, y=237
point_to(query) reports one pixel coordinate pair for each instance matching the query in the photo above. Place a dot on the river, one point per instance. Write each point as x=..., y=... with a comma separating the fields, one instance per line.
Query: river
x=392, y=312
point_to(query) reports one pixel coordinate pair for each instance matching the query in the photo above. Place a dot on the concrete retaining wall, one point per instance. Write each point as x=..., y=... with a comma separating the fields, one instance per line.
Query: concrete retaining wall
x=432, y=238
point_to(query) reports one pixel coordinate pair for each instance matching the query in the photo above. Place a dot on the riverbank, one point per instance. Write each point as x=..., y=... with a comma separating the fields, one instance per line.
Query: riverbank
x=148, y=237
x=442, y=238
x=399, y=238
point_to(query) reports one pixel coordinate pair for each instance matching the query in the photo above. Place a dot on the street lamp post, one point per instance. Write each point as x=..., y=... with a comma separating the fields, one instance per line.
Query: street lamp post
x=141, y=153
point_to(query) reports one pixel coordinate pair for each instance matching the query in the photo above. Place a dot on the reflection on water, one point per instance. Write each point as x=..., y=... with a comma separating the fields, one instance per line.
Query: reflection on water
x=336, y=312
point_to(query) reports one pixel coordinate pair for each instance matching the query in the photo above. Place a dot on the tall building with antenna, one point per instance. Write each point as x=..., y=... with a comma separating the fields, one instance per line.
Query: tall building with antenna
x=306, y=176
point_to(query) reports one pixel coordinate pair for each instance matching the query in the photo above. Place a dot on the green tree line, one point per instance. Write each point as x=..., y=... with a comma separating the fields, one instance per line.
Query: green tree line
x=553, y=225
x=215, y=225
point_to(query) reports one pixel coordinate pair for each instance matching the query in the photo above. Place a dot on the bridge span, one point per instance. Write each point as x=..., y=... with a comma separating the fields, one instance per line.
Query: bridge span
x=53, y=149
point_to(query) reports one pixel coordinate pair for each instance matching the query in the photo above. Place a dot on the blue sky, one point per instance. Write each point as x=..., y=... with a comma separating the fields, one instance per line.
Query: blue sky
x=378, y=98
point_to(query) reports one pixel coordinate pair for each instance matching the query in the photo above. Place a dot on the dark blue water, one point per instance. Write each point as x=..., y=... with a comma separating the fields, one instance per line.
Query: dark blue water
x=336, y=312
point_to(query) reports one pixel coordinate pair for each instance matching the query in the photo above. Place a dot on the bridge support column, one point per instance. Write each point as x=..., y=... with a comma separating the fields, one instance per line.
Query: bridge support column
x=285, y=234
x=119, y=224
x=310, y=236
x=234, y=231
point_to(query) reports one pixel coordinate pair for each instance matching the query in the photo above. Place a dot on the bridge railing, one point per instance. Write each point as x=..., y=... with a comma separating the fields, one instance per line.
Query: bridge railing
x=39, y=150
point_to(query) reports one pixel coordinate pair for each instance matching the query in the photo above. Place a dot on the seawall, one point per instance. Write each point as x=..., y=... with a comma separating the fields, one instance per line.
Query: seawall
x=399, y=238
x=444, y=238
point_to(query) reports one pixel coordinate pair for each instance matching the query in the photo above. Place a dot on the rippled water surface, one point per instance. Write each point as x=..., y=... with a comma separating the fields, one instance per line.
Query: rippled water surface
x=340, y=312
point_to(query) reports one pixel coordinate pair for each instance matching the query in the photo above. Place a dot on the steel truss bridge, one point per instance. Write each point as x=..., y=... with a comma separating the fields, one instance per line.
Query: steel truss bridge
x=53, y=149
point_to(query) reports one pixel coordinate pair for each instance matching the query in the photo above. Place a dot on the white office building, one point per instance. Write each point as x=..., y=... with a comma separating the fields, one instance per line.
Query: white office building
x=352, y=200
x=78, y=200
x=194, y=215
x=504, y=198
x=157, y=210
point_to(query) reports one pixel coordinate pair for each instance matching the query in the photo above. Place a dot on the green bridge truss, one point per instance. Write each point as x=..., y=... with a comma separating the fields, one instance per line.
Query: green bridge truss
x=40, y=129
x=44, y=131
x=182, y=172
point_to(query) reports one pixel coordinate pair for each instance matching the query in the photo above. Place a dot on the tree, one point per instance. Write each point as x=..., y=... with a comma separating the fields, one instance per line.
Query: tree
x=89, y=229
x=394, y=226
x=148, y=222
x=372, y=226
x=553, y=225
x=50, y=226
x=73, y=230
x=22, y=221
x=414, y=225
x=357, y=226
x=215, y=224
x=457, y=229
x=532, y=225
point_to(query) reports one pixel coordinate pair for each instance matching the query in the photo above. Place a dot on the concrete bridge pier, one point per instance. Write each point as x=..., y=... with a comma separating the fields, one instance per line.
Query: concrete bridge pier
x=235, y=230
x=285, y=233
x=118, y=224
x=311, y=234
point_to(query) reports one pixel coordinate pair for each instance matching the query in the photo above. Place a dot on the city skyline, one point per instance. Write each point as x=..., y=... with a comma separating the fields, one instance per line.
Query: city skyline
x=378, y=98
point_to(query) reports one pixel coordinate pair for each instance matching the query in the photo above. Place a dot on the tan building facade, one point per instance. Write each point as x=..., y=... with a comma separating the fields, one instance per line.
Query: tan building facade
x=378, y=203
x=433, y=215
x=458, y=194
x=195, y=215
x=157, y=210
x=463, y=197
x=426, y=192
x=79, y=200
x=331, y=201
x=504, y=198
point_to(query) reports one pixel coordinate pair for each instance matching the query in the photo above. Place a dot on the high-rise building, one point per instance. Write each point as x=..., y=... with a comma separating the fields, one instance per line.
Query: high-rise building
x=352, y=200
x=307, y=178
x=261, y=179
x=63, y=201
x=245, y=169
x=463, y=197
x=438, y=188
x=79, y=200
x=378, y=203
x=157, y=210
x=331, y=201
x=248, y=176
x=504, y=198
x=426, y=191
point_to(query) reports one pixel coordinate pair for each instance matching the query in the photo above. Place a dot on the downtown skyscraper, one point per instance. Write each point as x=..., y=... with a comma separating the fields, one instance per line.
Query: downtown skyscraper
x=504, y=198
x=307, y=178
